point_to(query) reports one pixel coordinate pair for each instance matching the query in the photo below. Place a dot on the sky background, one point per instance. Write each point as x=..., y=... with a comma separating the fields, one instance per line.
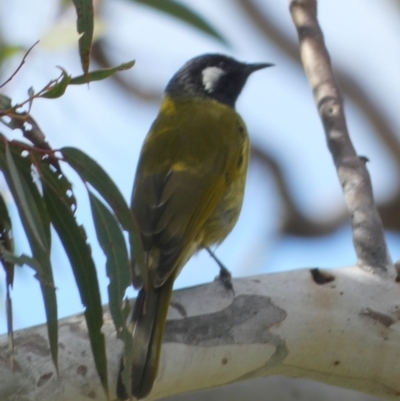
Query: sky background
x=276, y=104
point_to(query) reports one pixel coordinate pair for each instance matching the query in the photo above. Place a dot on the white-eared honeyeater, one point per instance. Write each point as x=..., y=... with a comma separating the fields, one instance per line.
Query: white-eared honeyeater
x=187, y=194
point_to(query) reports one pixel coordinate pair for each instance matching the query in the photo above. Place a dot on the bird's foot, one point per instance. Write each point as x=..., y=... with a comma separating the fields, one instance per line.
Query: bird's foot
x=225, y=276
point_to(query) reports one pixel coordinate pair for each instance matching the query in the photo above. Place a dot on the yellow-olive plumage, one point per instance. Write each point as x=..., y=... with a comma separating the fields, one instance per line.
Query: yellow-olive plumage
x=188, y=192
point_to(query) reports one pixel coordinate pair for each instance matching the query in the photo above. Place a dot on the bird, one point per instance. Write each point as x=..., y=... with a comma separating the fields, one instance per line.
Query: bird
x=187, y=194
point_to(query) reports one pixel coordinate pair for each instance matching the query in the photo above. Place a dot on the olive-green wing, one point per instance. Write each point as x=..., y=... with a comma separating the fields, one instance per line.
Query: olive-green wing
x=181, y=178
x=170, y=209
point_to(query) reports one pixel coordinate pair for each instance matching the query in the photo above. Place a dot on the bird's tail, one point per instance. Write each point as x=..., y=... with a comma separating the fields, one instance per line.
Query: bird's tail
x=148, y=318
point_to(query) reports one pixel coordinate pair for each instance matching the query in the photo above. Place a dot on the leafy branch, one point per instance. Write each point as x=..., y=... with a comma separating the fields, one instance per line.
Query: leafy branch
x=56, y=88
x=44, y=197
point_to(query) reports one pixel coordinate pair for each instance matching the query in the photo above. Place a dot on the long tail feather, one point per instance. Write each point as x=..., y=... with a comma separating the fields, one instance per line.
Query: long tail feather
x=149, y=317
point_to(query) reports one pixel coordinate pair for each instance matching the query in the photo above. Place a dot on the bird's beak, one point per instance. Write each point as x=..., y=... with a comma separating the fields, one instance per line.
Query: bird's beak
x=250, y=68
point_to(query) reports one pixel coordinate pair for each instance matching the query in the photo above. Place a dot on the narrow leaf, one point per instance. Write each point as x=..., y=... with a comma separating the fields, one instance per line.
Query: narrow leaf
x=99, y=75
x=126, y=337
x=6, y=240
x=10, y=329
x=85, y=25
x=5, y=102
x=91, y=172
x=112, y=242
x=184, y=14
x=23, y=260
x=24, y=199
x=74, y=240
x=24, y=166
x=59, y=88
x=20, y=177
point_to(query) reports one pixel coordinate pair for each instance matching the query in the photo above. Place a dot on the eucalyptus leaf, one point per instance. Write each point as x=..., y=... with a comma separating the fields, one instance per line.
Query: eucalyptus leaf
x=24, y=199
x=6, y=240
x=184, y=14
x=5, y=102
x=85, y=26
x=101, y=74
x=126, y=337
x=22, y=260
x=10, y=329
x=7, y=243
x=74, y=240
x=59, y=88
x=24, y=166
x=112, y=241
x=91, y=172
x=27, y=199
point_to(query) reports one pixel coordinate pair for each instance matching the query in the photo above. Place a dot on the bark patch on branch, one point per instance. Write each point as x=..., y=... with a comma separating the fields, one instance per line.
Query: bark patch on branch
x=379, y=317
x=44, y=379
x=320, y=277
x=34, y=343
x=239, y=323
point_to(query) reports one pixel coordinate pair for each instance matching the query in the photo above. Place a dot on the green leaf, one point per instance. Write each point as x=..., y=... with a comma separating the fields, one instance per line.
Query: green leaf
x=184, y=14
x=24, y=166
x=112, y=242
x=5, y=220
x=22, y=260
x=10, y=329
x=7, y=243
x=59, y=88
x=48, y=290
x=5, y=102
x=25, y=202
x=74, y=240
x=91, y=172
x=6, y=240
x=99, y=75
x=28, y=192
x=85, y=25
x=126, y=337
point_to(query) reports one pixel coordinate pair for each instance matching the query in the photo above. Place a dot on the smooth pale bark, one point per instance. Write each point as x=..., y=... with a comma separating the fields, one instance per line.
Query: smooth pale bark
x=368, y=235
x=345, y=332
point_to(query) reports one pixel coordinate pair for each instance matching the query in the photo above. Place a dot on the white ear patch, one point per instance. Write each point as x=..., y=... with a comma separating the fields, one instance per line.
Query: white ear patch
x=211, y=76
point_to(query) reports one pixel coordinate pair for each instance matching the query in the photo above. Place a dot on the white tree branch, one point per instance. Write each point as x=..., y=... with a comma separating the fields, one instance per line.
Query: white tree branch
x=345, y=332
x=368, y=236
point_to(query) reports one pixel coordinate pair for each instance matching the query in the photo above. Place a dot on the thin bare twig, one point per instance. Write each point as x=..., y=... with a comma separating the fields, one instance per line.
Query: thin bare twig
x=12, y=113
x=368, y=235
x=19, y=66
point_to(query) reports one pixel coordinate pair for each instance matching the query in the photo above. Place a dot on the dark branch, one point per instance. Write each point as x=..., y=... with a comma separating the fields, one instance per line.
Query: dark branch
x=19, y=66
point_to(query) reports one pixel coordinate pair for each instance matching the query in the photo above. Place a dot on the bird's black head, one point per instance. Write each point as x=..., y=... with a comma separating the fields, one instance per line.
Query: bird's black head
x=212, y=75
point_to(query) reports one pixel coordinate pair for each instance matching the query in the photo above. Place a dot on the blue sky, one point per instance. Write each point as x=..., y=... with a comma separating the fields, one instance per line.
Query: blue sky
x=276, y=104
